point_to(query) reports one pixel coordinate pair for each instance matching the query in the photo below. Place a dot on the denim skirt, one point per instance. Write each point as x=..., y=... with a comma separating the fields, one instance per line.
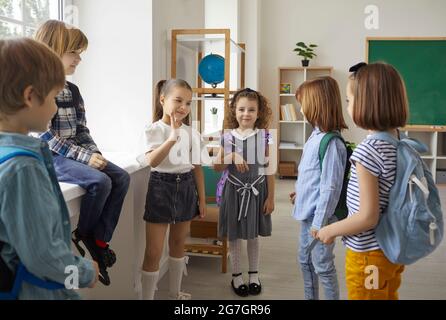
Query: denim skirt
x=171, y=198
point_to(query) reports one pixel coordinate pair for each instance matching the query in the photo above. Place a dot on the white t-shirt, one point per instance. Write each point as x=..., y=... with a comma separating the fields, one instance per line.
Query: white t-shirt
x=183, y=155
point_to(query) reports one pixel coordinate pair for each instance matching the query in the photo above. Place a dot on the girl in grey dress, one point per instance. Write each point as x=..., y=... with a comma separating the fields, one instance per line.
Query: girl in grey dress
x=248, y=195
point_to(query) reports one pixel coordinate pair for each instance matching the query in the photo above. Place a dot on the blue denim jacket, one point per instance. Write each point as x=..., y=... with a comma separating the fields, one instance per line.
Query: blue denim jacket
x=318, y=192
x=34, y=221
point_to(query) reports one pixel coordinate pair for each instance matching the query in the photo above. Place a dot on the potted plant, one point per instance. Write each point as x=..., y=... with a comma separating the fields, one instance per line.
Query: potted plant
x=307, y=52
x=214, y=115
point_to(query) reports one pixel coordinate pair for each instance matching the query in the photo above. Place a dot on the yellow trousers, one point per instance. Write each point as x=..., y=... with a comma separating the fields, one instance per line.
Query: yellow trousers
x=371, y=276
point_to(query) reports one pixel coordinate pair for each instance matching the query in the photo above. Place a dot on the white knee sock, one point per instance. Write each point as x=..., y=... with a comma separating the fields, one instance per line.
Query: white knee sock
x=176, y=268
x=253, y=258
x=235, y=251
x=149, y=281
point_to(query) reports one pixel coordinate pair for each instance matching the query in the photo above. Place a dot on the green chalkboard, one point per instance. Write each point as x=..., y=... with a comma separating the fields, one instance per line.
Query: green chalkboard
x=422, y=63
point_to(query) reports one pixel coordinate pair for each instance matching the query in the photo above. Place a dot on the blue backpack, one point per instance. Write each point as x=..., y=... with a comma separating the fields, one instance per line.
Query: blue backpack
x=11, y=282
x=412, y=224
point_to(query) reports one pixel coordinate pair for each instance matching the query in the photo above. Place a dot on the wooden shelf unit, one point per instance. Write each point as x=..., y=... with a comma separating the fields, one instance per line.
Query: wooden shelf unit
x=196, y=39
x=297, y=131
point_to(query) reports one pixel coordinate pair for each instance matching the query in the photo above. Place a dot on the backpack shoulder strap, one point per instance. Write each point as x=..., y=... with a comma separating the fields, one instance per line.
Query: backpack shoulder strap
x=323, y=146
x=7, y=153
x=384, y=136
x=74, y=92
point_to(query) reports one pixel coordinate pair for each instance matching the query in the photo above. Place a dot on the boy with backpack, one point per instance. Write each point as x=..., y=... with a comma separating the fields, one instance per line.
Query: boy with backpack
x=35, y=246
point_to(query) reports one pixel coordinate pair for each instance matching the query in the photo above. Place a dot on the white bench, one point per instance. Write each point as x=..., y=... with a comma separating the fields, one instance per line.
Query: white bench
x=129, y=237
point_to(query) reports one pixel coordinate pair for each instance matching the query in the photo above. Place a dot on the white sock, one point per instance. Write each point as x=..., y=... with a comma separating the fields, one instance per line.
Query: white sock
x=149, y=281
x=253, y=258
x=176, y=268
x=235, y=251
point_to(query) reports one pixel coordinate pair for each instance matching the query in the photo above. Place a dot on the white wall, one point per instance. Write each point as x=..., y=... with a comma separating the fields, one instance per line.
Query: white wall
x=338, y=28
x=188, y=14
x=250, y=26
x=121, y=65
x=226, y=15
x=115, y=77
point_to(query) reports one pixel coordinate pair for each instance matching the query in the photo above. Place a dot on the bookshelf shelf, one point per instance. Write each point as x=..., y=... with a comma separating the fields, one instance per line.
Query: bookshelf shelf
x=435, y=139
x=298, y=121
x=293, y=129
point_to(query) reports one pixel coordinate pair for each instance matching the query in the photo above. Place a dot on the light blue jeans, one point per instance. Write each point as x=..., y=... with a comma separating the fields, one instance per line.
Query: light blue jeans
x=317, y=265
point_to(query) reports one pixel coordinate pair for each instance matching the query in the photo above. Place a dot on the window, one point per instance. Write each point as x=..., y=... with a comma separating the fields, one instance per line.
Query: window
x=22, y=17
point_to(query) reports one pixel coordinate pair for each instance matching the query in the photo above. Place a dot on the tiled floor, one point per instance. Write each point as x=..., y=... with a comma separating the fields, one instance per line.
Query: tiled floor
x=280, y=273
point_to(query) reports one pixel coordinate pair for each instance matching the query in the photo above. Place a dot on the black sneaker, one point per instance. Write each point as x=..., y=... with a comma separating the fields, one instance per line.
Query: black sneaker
x=105, y=257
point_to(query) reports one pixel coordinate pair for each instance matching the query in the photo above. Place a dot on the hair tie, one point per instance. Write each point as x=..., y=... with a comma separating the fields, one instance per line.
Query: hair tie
x=357, y=66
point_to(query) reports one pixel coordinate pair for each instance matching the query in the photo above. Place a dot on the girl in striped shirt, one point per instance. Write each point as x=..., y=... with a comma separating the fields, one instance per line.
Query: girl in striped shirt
x=377, y=102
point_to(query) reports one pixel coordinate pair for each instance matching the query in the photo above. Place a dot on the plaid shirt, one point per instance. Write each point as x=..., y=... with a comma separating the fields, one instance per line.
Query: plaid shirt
x=68, y=134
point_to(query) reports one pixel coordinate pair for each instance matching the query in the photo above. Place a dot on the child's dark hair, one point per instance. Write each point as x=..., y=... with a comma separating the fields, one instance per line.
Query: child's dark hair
x=163, y=88
x=264, y=112
x=380, y=98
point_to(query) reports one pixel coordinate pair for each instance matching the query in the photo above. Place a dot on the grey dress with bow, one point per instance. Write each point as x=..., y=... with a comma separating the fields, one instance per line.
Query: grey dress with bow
x=244, y=194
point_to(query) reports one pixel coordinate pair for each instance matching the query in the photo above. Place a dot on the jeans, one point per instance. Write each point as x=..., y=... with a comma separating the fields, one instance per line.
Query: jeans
x=105, y=193
x=317, y=265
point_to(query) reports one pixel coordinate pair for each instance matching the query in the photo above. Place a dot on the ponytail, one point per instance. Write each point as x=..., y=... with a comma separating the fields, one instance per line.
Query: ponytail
x=158, y=111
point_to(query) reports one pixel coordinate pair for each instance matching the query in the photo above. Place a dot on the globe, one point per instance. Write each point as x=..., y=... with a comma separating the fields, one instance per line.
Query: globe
x=212, y=69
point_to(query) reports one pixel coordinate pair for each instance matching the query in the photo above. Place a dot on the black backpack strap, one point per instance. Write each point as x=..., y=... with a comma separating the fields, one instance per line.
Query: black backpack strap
x=75, y=93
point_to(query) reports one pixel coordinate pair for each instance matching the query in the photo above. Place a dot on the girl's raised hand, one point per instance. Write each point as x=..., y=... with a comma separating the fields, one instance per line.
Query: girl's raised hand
x=174, y=122
x=174, y=125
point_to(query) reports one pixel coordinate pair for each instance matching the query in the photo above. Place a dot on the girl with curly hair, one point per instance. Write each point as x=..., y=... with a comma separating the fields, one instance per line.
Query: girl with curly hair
x=248, y=195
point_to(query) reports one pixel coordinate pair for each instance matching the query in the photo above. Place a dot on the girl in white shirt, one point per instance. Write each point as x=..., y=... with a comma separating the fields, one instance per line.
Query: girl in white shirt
x=176, y=193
